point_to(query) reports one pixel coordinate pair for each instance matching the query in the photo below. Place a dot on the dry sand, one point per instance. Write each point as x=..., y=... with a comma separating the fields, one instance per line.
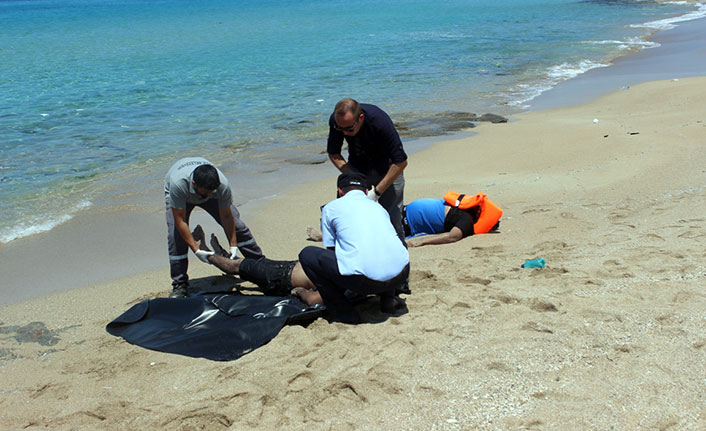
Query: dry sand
x=610, y=335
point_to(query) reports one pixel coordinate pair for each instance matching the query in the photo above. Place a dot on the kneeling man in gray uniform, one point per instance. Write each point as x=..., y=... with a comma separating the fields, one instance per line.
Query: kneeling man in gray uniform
x=192, y=182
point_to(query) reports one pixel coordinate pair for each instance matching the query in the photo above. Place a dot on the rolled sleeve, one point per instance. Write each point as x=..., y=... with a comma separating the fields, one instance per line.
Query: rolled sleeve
x=335, y=138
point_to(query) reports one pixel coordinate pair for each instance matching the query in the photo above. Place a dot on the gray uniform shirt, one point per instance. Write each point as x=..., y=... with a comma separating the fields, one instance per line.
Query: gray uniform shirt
x=178, y=189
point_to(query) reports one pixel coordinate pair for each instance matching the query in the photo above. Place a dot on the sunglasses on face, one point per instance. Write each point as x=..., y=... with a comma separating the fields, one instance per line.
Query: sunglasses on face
x=346, y=129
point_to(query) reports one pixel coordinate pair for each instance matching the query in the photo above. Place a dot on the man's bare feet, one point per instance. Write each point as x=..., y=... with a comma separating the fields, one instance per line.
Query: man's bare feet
x=313, y=234
x=198, y=236
x=309, y=297
x=217, y=247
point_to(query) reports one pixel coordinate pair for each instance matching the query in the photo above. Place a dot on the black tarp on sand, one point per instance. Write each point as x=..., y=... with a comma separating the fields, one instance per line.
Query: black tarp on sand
x=217, y=327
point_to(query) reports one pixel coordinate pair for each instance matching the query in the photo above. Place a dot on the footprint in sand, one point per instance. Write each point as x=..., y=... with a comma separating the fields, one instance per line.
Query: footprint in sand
x=542, y=306
x=506, y=299
x=542, y=209
x=199, y=419
x=473, y=280
x=499, y=366
x=536, y=327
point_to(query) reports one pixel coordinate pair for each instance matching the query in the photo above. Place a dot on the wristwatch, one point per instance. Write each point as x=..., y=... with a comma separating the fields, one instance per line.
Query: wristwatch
x=377, y=193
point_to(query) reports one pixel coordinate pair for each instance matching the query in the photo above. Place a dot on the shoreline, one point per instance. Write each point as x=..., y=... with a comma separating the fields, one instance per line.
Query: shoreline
x=115, y=256
x=679, y=55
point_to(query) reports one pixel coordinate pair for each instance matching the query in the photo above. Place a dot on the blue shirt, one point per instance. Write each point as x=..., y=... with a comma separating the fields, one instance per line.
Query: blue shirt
x=426, y=216
x=365, y=241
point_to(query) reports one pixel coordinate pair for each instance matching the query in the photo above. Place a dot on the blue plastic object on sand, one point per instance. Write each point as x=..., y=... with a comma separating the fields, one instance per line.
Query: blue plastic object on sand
x=535, y=263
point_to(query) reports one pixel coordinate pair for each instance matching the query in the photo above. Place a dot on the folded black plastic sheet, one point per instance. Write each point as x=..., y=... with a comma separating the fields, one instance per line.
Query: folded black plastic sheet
x=217, y=327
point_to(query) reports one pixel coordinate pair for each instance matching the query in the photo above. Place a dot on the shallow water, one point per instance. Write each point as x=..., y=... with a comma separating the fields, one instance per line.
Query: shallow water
x=99, y=98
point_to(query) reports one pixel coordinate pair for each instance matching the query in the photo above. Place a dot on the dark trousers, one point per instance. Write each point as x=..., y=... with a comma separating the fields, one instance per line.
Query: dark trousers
x=392, y=200
x=273, y=277
x=321, y=267
x=179, y=250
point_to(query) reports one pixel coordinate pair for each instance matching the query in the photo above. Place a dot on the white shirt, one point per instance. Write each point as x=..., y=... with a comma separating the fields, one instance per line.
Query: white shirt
x=363, y=237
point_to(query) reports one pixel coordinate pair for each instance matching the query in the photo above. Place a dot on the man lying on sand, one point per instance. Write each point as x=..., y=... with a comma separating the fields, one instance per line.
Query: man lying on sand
x=435, y=221
x=273, y=277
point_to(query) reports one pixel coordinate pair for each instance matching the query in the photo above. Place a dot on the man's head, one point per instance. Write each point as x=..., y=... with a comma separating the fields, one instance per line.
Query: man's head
x=205, y=180
x=348, y=117
x=348, y=181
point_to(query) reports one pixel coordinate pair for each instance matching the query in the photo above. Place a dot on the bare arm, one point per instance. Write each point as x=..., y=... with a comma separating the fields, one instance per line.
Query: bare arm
x=228, y=225
x=453, y=235
x=390, y=177
x=183, y=228
x=339, y=162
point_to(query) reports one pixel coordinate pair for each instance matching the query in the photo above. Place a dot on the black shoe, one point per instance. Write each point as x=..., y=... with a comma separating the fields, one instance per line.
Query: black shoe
x=390, y=304
x=403, y=288
x=354, y=297
x=179, y=290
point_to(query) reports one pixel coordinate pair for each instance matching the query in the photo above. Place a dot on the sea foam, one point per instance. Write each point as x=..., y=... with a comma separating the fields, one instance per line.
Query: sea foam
x=38, y=224
x=669, y=23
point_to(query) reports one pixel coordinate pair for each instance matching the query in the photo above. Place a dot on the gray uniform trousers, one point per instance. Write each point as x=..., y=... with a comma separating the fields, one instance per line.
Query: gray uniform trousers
x=179, y=250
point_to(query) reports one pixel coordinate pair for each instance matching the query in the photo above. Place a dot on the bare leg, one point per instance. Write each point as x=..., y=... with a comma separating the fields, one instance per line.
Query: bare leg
x=198, y=235
x=217, y=247
x=313, y=234
x=225, y=264
x=303, y=287
x=309, y=297
x=221, y=259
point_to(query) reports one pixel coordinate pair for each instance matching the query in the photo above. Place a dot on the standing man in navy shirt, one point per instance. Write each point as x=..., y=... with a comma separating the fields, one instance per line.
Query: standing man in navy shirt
x=374, y=149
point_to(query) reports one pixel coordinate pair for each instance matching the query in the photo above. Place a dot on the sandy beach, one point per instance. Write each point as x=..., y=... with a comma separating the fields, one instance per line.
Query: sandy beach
x=610, y=335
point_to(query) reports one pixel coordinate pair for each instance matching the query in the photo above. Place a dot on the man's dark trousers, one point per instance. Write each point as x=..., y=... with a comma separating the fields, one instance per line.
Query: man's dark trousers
x=321, y=266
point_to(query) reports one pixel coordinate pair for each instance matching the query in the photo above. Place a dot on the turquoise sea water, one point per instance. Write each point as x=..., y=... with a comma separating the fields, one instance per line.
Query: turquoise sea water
x=95, y=93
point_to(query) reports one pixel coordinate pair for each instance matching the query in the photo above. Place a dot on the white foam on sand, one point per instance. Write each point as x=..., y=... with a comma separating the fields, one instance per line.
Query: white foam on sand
x=553, y=76
x=557, y=74
x=676, y=53
x=38, y=224
x=669, y=23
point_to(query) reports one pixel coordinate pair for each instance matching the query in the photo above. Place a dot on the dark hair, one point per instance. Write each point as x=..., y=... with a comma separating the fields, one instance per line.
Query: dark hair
x=206, y=176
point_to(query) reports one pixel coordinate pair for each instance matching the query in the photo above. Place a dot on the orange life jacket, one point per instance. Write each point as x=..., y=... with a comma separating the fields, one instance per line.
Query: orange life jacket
x=489, y=212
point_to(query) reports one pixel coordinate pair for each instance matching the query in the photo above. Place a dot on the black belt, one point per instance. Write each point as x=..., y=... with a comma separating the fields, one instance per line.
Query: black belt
x=393, y=282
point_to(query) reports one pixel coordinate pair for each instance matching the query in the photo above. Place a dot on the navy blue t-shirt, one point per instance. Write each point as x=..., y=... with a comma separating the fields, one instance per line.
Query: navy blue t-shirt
x=374, y=148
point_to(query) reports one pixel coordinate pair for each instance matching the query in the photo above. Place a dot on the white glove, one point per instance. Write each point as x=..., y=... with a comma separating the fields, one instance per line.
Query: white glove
x=203, y=255
x=373, y=194
x=233, y=252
